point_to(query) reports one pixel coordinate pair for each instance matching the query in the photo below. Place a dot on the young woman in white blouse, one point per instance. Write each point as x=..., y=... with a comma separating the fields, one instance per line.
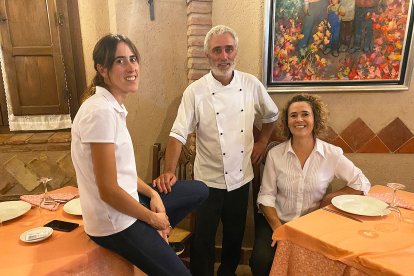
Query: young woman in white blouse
x=297, y=174
x=120, y=211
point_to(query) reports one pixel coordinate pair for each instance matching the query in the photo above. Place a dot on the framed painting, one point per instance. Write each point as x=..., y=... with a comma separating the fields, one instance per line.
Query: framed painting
x=338, y=45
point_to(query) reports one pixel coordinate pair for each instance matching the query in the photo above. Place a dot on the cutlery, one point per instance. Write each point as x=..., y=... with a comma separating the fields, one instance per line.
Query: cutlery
x=341, y=214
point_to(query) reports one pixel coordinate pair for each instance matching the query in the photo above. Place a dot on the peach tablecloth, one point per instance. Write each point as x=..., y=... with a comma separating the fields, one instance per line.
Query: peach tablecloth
x=325, y=239
x=63, y=253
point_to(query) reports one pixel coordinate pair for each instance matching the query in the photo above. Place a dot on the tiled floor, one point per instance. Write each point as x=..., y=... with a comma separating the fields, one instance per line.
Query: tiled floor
x=242, y=270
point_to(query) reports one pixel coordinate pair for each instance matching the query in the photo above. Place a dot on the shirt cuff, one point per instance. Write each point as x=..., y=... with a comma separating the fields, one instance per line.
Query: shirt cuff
x=178, y=137
x=266, y=200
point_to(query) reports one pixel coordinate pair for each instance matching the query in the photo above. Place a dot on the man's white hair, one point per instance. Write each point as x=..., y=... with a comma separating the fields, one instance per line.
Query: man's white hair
x=218, y=30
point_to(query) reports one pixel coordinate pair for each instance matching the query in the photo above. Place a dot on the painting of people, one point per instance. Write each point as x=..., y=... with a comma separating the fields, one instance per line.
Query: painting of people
x=338, y=41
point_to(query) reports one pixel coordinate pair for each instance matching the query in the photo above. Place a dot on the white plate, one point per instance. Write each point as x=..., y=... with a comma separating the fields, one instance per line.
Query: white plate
x=13, y=209
x=73, y=207
x=36, y=234
x=361, y=205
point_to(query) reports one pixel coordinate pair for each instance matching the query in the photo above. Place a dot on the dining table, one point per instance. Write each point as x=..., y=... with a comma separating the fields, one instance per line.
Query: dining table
x=63, y=253
x=327, y=243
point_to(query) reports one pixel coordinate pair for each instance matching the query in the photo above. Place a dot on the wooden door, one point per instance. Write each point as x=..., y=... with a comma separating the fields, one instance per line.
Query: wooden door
x=33, y=57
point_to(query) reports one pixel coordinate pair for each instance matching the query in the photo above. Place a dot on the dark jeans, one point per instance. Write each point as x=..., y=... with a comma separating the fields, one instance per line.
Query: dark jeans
x=142, y=245
x=231, y=208
x=262, y=254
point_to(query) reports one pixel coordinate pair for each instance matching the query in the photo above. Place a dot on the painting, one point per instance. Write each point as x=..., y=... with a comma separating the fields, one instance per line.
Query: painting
x=338, y=44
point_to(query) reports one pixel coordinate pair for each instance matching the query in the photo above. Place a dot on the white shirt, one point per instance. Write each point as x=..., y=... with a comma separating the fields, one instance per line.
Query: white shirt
x=294, y=191
x=223, y=118
x=101, y=119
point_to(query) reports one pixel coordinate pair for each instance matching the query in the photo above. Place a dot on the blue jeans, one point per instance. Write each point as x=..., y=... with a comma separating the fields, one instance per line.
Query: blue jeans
x=143, y=246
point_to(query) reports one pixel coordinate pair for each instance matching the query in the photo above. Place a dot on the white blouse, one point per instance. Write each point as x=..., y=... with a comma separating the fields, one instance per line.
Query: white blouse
x=294, y=191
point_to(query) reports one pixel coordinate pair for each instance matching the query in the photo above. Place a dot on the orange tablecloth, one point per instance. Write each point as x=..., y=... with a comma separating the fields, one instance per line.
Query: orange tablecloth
x=63, y=253
x=328, y=237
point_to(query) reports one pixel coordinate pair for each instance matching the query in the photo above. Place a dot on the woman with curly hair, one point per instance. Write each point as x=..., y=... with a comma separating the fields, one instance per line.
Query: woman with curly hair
x=297, y=174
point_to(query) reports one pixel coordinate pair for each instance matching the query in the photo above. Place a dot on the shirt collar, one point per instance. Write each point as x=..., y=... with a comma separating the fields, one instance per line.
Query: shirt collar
x=111, y=99
x=215, y=84
x=318, y=147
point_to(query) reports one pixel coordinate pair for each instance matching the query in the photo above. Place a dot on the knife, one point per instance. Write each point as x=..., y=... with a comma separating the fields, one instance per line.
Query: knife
x=341, y=214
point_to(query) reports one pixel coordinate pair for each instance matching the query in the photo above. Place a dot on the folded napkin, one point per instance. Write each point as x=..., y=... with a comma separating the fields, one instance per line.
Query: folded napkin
x=57, y=197
x=387, y=197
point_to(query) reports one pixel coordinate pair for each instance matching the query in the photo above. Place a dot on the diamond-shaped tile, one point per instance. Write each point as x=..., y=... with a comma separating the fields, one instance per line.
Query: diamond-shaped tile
x=329, y=135
x=408, y=147
x=395, y=134
x=374, y=146
x=339, y=142
x=357, y=134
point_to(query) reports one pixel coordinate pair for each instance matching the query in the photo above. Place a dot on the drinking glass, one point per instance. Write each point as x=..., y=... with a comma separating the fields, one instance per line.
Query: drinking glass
x=393, y=210
x=46, y=198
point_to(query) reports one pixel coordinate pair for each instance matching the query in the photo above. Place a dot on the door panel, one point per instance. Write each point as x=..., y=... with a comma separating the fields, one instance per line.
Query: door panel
x=33, y=58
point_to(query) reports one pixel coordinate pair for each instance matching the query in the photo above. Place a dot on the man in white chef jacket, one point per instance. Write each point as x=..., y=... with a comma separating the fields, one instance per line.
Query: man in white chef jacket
x=221, y=108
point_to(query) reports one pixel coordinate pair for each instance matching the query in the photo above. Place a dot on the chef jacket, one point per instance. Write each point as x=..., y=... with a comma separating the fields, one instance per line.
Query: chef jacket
x=223, y=118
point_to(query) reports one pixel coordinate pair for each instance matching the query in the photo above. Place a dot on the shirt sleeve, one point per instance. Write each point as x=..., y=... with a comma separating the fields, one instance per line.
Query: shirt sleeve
x=268, y=187
x=184, y=123
x=98, y=126
x=347, y=171
x=267, y=108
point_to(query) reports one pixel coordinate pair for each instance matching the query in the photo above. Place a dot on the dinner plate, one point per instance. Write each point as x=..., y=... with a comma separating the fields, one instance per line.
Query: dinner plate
x=361, y=205
x=36, y=234
x=13, y=209
x=73, y=207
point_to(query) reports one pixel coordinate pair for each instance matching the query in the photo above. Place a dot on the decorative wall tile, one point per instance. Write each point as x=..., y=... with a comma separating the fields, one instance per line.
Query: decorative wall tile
x=330, y=135
x=375, y=145
x=408, y=147
x=339, y=142
x=357, y=134
x=395, y=134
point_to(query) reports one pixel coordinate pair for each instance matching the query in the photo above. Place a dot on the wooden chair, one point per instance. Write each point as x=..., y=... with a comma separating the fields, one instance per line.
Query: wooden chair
x=183, y=231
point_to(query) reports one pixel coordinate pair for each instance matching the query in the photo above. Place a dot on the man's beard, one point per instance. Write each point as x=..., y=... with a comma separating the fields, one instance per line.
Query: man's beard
x=223, y=73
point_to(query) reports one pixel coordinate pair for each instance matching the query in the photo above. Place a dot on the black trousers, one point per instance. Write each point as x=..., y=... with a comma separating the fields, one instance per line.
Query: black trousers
x=231, y=209
x=262, y=254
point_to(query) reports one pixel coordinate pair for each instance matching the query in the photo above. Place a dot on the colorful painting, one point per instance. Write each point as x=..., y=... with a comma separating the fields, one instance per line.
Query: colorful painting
x=338, y=42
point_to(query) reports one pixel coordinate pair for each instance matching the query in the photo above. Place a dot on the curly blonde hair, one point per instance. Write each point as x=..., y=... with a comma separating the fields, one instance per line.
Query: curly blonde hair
x=319, y=109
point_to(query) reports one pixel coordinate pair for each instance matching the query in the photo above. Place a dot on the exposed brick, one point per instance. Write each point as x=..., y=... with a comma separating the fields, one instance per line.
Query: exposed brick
x=199, y=7
x=194, y=74
x=196, y=51
x=199, y=19
x=18, y=139
x=198, y=63
x=198, y=29
x=60, y=137
x=194, y=40
x=24, y=176
x=39, y=138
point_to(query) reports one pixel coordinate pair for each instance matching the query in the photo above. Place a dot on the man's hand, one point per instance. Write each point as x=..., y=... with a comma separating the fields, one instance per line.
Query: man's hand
x=259, y=149
x=164, y=182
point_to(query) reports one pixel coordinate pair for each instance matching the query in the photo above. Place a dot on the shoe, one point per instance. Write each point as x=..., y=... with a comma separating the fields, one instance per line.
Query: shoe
x=178, y=247
x=335, y=53
x=367, y=50
x=353, y=50
x=327, y=51
x=343, y=48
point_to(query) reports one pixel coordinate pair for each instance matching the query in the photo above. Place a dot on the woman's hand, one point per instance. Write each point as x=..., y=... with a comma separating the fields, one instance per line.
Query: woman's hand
x=156, y=204
x=159, y=221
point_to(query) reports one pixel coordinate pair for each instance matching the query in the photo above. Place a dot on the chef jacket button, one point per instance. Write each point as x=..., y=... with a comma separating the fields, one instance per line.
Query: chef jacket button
x=240, y=89
x=224, y=153
x=242, y=110
x=221, y=133
x=242, y=130
x=217, y=113
x=242, y=151
x=225, y=172
x=240, y=169
x=213, y=93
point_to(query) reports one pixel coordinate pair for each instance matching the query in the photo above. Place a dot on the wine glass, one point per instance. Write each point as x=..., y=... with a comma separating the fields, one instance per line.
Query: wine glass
x=393, y=210
x=46, y=198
